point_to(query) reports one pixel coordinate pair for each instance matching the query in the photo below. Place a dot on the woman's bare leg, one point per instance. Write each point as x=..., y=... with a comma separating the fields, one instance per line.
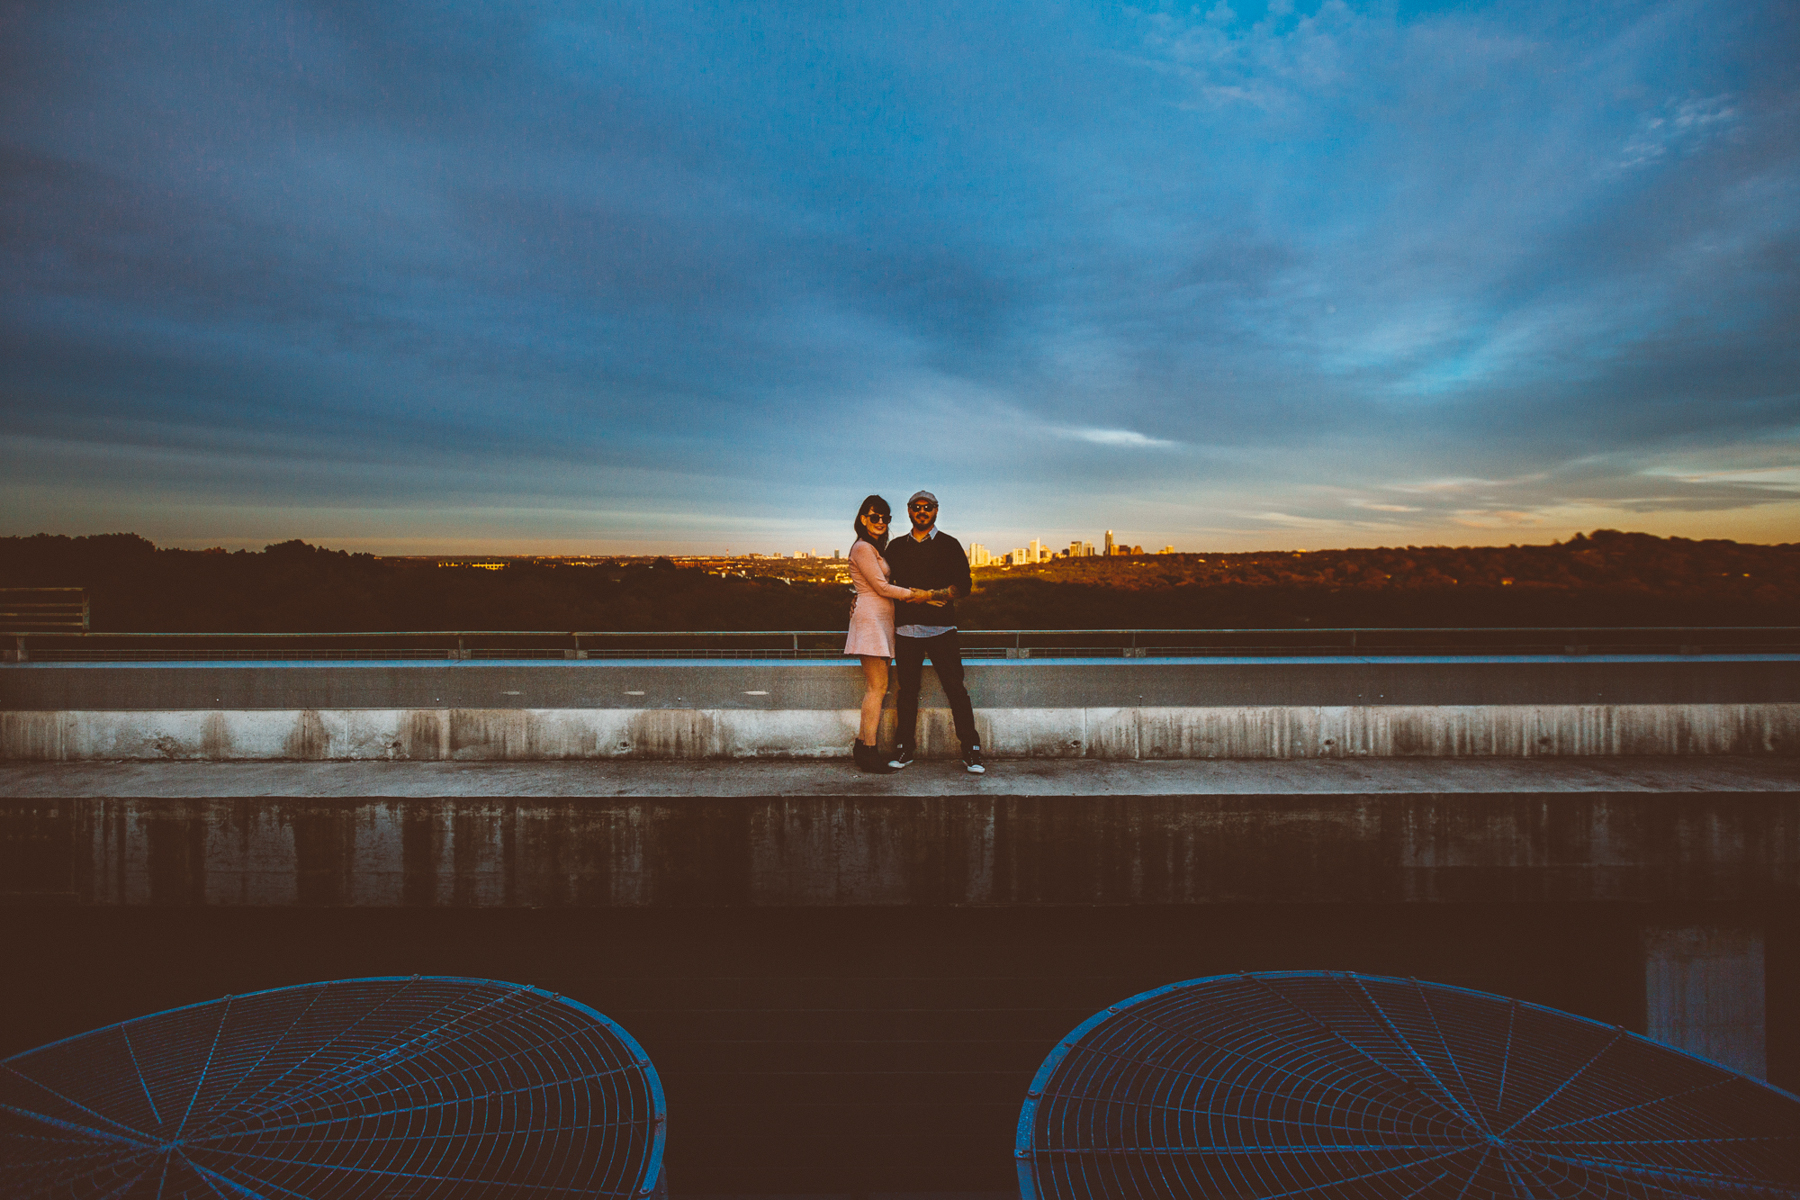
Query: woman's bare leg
x=875, y=675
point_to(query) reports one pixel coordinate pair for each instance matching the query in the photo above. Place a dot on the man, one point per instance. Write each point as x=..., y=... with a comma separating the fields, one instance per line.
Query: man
x=930, y=559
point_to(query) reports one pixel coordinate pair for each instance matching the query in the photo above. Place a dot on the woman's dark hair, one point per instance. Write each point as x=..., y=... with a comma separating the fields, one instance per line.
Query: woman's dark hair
x=875, y=504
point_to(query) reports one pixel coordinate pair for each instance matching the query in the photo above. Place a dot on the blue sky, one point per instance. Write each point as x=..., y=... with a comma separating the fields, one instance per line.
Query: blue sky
x=605, y=278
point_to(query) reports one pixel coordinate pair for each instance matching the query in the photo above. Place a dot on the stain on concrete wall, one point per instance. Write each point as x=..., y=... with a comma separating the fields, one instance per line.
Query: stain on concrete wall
x=500, y=735
x=1705, y=991
x=894, y=850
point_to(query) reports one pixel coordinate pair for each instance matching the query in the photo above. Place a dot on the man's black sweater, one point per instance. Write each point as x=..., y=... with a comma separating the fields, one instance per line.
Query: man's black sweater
x=936, y=562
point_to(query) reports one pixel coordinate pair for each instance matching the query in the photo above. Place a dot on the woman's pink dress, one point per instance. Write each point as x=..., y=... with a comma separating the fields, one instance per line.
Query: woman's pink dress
x=872, y=619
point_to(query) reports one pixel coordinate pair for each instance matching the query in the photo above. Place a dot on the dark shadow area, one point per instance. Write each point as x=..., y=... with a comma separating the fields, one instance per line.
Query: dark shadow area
x=851, y=1050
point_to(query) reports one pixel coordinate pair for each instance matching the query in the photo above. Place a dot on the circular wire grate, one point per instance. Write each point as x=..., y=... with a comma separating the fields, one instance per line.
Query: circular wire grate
x=420, y=1087
x=1328, y=1085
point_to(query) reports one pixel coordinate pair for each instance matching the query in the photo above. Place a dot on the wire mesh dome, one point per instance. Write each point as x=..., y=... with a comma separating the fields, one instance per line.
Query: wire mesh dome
x=1330, y=1086
x=420, y=1087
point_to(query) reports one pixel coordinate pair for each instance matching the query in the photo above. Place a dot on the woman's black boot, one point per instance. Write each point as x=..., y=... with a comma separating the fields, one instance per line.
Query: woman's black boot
x=869, y=761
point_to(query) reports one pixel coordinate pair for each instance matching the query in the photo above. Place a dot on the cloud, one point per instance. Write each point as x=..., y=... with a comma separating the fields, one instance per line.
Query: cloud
x=1681, y=126
x=453, y=258
x=1126, y=438
x=1625, y=485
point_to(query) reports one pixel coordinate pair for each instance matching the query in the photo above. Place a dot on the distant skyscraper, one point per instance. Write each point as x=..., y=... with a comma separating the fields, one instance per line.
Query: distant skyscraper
x=1109, y=544
x=1037, y=551
x=978, y=555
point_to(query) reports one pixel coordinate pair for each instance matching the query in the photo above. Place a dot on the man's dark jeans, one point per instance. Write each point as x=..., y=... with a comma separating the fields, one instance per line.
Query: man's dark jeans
x=945, y=653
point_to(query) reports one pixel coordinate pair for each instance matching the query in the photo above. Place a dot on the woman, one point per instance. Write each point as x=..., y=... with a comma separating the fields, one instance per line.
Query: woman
x=872, y=624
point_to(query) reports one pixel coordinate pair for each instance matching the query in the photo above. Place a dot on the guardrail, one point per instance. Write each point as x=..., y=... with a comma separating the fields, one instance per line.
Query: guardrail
x=1372, y=641
x=44, y=610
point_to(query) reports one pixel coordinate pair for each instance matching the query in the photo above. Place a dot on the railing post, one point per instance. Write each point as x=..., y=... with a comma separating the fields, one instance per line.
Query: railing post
x=21, y=656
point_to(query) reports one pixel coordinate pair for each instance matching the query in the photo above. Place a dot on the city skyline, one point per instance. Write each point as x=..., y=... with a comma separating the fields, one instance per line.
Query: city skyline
x=648, y=279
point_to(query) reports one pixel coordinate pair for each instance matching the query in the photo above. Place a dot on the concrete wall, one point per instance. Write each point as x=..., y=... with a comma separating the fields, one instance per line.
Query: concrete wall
x=497, y=735
x=1704, y=992
x=1147, y=708
x=766, y=685
x=831, y=851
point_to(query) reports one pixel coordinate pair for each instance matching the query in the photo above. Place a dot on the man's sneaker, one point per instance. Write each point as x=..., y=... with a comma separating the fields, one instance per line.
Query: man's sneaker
x=902, y=757
x=972, y=761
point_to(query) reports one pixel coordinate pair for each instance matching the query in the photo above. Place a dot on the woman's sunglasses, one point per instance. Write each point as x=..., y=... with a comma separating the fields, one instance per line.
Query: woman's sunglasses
x=876, y=516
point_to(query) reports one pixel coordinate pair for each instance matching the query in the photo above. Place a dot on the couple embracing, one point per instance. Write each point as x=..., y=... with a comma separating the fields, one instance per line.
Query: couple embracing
x=906, y=592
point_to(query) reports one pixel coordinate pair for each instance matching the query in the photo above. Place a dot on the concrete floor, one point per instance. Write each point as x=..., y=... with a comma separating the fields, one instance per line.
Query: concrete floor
x=1015, y=777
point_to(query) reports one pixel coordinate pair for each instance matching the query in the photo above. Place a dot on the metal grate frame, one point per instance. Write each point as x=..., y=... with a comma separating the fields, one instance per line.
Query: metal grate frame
x=428, y=1086
x=1336, y=1085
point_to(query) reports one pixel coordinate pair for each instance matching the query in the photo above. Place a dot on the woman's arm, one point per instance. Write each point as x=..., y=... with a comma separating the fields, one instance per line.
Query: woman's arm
x=867, y=563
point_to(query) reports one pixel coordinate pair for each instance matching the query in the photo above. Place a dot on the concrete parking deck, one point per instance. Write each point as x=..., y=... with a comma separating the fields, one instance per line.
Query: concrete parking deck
x=848, y=980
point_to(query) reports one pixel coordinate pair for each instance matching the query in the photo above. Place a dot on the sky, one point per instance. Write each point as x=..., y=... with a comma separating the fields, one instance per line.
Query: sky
x=676, y=277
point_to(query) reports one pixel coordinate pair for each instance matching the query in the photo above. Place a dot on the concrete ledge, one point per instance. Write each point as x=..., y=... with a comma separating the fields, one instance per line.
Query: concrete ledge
x=830, y=851
x=512, y=734
x=763, y=778
x=1033, y=832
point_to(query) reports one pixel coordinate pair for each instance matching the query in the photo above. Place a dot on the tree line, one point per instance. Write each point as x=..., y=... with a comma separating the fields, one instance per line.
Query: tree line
x=1603, y=578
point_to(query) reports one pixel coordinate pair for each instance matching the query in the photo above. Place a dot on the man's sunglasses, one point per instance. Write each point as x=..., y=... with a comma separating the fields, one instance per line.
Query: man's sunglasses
x=921, y=508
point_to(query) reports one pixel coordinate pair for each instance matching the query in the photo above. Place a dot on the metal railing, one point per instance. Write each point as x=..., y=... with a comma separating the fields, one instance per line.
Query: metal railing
x=1369, y=641
x=44, y=610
